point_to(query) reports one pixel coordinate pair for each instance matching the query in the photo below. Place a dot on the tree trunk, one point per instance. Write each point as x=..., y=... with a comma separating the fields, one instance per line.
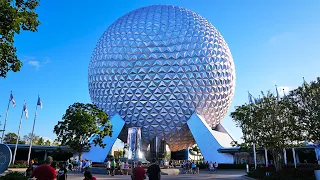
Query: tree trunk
x=277, y=160
x=80, y=155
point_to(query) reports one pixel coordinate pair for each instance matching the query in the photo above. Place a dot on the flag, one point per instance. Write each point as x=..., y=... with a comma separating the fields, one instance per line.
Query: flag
x=284, y=94
x=12, y=100
x=277, y=93
x=252, y=99
x=25, y=110
x=39, y=103
x=305, y=84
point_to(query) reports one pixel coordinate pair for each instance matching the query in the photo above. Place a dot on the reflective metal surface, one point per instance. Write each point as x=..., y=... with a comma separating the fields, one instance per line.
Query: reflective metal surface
x=134, y=143
x=156, y=66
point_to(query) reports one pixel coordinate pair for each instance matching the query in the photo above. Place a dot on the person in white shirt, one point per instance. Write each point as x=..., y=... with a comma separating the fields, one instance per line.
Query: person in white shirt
x=211, y=166
x=80, y=165
x=108, y=166
x=215, y=166
x=122, y=167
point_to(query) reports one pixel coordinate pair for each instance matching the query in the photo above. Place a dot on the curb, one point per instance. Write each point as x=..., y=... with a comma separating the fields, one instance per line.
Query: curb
x=249, y=178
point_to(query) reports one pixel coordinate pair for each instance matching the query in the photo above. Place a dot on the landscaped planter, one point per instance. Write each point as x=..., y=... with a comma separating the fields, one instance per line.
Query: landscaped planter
x=317, y=174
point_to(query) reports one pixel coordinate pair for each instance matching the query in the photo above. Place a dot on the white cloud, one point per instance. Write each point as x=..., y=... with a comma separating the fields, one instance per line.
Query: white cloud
x=46, y=60
x=34, y=63
x=47, y=138
x=284, y=90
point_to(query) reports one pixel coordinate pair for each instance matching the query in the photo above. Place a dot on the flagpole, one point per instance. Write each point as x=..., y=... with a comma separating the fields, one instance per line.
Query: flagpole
x=15, y=149
x=5, y=122
x=254, y=145
x=34, y=122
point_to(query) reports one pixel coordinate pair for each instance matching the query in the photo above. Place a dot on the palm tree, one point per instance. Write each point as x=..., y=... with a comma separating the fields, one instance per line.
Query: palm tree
x=27, y=138
x=197, y=150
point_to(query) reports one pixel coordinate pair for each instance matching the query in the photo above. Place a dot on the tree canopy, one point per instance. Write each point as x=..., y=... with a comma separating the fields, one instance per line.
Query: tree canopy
x=27, y=138
x=269, y=124
x=80, y=123
x=305, y=103
x=14, y=16
x=276, y=123
x=11, y=138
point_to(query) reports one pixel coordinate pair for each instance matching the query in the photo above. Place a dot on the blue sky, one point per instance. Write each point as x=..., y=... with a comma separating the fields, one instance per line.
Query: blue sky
x=272, y=42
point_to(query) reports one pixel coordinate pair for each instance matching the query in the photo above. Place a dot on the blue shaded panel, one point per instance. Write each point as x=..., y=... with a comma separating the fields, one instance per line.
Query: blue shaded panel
x=98, y=154
x=210, y=141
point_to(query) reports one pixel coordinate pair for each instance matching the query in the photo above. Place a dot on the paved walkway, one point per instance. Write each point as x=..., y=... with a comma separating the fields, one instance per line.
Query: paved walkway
x=204, y=175
x=220, y=175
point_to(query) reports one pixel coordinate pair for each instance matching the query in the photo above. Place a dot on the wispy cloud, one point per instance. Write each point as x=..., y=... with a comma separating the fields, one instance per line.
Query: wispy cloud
x=284, y=90
x=282, y=37
x=46, y=60
x=47, y=138
x=34, y=63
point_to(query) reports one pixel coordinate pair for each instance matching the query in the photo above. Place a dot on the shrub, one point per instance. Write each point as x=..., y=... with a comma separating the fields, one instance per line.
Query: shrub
x=14, y=175
x=19, y=166
x=302, y=172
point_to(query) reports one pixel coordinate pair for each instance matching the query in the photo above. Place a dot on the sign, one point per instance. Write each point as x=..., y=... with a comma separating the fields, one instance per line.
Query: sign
x=317, y=151
x=5, y=157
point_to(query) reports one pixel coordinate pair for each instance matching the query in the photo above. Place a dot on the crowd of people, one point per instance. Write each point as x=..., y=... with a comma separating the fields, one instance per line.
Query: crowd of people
x=114, y=166
x=192, y=167
x=50, y=169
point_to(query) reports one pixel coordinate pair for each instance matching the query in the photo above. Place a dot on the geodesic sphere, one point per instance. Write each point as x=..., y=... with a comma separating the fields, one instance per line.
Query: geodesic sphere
x=158, y=65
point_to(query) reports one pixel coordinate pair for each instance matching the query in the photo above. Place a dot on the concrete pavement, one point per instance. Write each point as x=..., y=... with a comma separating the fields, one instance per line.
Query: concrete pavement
x=220, y=175
x=204, y=175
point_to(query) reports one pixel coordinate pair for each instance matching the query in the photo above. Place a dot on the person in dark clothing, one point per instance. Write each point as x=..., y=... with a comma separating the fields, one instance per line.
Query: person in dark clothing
x=54, y=165
x=62, y=173
x=29, y=169
x=154, y=172
x=88, y=176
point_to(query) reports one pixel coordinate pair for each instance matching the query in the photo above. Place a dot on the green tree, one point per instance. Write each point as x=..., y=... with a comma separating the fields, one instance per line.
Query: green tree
x=270, y=123
x=40, y=142
x=47, y=143
x=197, y=150
x=27, y=138
x=14, y=16
x=118, y=154
x=80, y=123
x=11, y=138
x=305, y=102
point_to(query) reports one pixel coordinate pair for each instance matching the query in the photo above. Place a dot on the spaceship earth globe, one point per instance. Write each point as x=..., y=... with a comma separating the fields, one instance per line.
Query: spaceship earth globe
x=156, y=66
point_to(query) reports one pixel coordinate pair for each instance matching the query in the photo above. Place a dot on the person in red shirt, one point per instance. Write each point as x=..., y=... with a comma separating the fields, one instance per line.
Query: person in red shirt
x=45, y=172
x=88, y=176
x=138, y=173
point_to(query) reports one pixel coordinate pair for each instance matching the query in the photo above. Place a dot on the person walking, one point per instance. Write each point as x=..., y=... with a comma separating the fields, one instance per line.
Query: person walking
x=113, y=165
x=193, y=167
x=215, y=166
x=154, y=172
x=211, y=168
x=62, y=173
x=30, y=169
x=122, y=167
x=126, y=168
x=138, y=173
x=108, y=166
x=88, y=176
x=45, y=172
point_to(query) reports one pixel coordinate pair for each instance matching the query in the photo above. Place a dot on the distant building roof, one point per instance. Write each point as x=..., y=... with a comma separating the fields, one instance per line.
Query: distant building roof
x=44, y=148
